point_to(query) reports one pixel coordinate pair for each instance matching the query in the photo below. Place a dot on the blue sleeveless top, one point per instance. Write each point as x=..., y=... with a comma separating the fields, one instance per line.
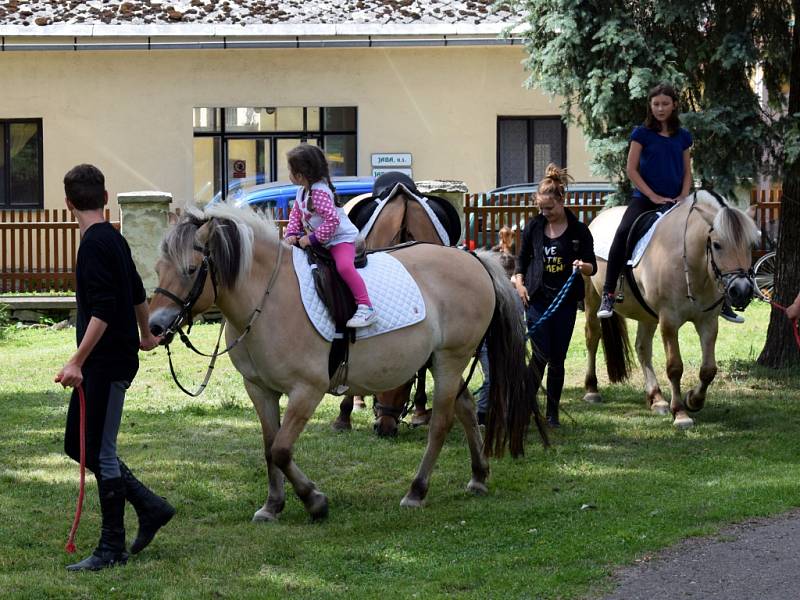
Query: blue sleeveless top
x=661, y=161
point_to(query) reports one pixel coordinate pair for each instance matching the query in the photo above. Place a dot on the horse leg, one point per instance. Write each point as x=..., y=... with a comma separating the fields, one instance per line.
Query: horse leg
x=268, y=410
x=669, y=334
x=465, y=411
x=422, y=415
x=592, y=333
x=447, y=380
x=298, y=412
x=644, y=349
x=342, y=421
x=707, y=330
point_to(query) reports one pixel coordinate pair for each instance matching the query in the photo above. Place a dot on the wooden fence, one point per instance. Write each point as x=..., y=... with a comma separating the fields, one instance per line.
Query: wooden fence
x=38, y=247
x=767, y=205
x=485, y=215
x=38, y=250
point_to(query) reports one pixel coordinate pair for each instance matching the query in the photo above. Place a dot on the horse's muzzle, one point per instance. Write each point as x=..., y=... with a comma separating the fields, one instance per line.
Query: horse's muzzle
x=740, y=291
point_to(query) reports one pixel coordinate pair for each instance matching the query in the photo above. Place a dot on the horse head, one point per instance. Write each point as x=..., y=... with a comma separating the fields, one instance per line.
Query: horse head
x=199, y=255
x=729, y=250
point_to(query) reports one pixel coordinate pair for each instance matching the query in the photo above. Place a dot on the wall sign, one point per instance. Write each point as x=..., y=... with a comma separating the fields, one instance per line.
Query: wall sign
x=391, y=160
x=378, y=172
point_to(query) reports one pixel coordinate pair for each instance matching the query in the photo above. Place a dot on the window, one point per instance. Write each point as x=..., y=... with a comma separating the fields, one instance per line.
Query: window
x=21, y=180
x=525, y=145
x=236, y=148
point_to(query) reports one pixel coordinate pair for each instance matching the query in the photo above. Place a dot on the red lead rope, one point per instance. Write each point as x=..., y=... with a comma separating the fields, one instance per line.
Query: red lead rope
x=71, y=539
x=792, y=323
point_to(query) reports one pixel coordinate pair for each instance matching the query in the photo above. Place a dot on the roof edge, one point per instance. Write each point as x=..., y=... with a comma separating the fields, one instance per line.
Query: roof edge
x=263, y=31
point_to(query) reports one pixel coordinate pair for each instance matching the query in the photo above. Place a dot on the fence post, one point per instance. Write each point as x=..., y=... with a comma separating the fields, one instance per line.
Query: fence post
x=452, y=191
x=144, y=216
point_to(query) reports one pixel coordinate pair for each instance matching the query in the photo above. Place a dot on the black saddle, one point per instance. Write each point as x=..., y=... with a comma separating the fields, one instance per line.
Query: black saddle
x=383, y=187
x=337, y=297
x=641, y=226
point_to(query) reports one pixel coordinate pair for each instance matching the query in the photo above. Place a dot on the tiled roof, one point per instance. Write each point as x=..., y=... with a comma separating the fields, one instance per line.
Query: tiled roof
x=38, y=14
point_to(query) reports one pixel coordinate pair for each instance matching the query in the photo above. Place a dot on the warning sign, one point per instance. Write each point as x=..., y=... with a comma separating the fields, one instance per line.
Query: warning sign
x=239, y=169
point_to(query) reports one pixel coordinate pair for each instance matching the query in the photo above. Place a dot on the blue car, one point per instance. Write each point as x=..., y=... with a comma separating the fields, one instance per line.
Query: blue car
x=278, y=195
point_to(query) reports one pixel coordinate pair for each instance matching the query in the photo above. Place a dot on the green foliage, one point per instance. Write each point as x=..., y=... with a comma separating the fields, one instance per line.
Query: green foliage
x=602, y=57
x=5, y=320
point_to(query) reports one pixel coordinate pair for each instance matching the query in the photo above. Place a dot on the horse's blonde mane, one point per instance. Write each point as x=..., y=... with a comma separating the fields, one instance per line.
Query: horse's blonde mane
x=232, y=251
x=731, y=224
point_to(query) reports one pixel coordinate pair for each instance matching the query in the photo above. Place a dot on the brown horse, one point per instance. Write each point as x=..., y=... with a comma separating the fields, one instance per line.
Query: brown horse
x=402, y=219
x=700, y=253
x=235, y=258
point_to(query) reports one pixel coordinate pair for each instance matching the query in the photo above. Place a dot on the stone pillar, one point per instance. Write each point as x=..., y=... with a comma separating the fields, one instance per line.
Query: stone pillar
x=144, y=217
x=450, y=190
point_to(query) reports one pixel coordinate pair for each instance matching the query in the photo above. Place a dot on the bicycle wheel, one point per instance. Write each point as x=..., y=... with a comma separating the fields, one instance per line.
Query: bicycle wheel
x=764, y=270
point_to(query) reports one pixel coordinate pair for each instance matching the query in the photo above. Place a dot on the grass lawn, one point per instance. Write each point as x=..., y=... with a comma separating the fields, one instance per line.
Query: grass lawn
x=645, y=484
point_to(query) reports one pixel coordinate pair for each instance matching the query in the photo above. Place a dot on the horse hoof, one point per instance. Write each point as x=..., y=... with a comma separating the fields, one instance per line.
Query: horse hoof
x=683, y=421
x=660, y=407
x=477, y=488
x=409, y=502
x=687, y=402
x=340, y=425
x=317, y=506
x=422, y=418
x=593, y=398
x=264, y=516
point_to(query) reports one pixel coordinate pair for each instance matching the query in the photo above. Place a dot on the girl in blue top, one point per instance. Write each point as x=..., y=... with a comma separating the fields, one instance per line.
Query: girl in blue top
x=659, y=165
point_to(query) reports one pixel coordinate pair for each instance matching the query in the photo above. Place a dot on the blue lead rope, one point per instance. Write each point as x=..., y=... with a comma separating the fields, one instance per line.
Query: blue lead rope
x=556, y=303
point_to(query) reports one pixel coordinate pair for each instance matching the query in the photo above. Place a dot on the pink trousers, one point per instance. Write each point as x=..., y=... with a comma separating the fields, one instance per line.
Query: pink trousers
x=344, y=254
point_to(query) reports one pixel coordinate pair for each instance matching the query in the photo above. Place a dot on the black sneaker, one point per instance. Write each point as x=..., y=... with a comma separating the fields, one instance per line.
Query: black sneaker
x=728, y=314
x=606, y=306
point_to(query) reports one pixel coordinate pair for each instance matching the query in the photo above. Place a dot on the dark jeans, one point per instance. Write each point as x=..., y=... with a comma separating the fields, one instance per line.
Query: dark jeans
x=104, y=401
x=482, y=395
x=550, y=345
x=616, y=254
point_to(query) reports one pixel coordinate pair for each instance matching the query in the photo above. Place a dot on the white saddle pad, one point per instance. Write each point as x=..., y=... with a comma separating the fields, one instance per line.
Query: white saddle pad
x=603, y=247
x=394, y=294
x=423, y=201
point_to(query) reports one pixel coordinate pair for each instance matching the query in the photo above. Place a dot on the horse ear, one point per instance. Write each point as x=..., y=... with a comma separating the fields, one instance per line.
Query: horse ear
x=203, y=234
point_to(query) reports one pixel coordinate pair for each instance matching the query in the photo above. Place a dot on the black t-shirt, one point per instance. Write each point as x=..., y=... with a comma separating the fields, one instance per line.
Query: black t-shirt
x=557, y=267
x=108, y=287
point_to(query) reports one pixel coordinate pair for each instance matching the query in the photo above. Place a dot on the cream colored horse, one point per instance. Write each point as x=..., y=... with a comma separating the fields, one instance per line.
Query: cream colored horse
x=284, y=354
x=700, y=251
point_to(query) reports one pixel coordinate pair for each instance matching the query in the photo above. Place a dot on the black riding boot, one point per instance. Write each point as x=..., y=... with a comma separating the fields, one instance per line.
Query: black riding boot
x=110, y=550
x=153, y=511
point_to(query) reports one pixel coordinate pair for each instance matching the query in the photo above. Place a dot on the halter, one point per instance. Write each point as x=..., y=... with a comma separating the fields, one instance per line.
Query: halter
x=186, y=304
x=724, y=280
x=206, y=267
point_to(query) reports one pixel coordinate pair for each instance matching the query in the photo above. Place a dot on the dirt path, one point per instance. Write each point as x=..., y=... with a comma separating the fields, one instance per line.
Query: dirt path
x=755, y=560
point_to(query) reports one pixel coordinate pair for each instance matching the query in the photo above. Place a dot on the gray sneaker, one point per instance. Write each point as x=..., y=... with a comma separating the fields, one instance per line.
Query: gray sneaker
x=728, y=314
x=606, y=306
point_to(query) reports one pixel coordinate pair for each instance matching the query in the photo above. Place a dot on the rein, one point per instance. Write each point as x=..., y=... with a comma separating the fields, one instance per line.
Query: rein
x=206, y=267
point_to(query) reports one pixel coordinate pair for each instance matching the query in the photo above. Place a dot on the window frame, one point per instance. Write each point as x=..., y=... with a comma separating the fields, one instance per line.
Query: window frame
x=531, y=122
x=5, y=126
x=273, y=136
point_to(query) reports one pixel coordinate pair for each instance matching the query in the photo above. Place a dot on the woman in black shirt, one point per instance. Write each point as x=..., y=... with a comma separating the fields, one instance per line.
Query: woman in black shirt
x=553, y=244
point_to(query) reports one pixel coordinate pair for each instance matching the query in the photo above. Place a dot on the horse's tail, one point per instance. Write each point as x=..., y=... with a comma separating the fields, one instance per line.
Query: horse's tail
x=512, y=391
x=616, y=347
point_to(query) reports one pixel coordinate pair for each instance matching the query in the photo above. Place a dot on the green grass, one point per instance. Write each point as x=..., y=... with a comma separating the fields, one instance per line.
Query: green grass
x=649, y=485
